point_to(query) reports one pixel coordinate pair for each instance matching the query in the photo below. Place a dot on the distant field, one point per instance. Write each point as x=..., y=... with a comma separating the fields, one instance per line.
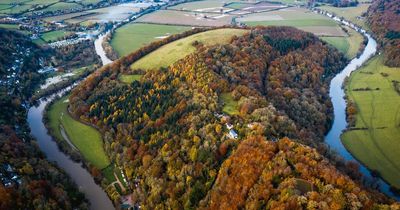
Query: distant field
x=172, y=52
x=128, y=79
x=348, y=45
x=350, y=13
x=61, y=6
x=186, y=18
x=112, y=13
x=292, y=2
x=133, y=36
x=296, y=17
x=16, y=9
x=53, y=35
x=340, y=43
x=238, y=5
x=231, y=107
x=9, y=26
x=85, y=138
x=328, y=29
x=14, y=27
x=201, y=5
x=378, y=111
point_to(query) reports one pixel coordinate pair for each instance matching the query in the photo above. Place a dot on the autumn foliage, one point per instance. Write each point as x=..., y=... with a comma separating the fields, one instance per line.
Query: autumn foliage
x=166, y=129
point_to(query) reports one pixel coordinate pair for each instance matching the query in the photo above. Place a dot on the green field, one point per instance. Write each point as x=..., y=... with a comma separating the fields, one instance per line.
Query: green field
x=53, y=35
x=292, y=2
x=196, y=5
x=352, y=14
x=300, y=18
x=10, y=26
x=238, y=5
x=378, y=112
x=347, y=45
x=231, y=106
x=7, y=7
x=86, y=138
x=340, y=43
x=303, y=19
x=128, y=79
x=133, y=36
x=61, y=6
x=291, y=17
x=172, y=52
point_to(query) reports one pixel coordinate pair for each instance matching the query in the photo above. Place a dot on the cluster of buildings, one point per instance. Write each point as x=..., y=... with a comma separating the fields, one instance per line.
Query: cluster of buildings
x=231, y=132
x=8, y=177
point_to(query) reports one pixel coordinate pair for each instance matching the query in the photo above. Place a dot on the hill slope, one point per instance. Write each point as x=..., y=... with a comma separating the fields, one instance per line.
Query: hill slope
x=168, y=131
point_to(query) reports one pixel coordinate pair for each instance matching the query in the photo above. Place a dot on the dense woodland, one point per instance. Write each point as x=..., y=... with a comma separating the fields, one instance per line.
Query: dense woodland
x=167, y=132
x=28, y=180
x=340, y=3
x=383, y=18
x=76, y=55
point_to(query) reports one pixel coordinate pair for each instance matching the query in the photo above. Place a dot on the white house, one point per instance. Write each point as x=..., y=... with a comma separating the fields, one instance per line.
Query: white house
x=233, y=134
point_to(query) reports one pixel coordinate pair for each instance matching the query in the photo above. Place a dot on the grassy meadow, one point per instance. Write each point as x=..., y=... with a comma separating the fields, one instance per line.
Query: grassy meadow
x=201, y=5
x=128, y=79
x=172, y=52
x=52, y=36
x=377, y=142
x=296, y=17
x=231, y=106
x=352, y=14
x=303, y=19
x=85, y=138
x=348, y=45
x=133, y=36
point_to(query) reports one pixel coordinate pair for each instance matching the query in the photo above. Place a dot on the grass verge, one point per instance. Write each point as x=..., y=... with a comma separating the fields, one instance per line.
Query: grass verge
x=376, y=141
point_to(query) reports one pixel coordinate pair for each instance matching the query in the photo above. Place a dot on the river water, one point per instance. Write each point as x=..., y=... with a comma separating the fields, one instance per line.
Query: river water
x=97, y=197
x=337, y=95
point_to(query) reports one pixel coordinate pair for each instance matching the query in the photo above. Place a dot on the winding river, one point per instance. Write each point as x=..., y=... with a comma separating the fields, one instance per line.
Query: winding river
x=337, y=95
x=97, y=197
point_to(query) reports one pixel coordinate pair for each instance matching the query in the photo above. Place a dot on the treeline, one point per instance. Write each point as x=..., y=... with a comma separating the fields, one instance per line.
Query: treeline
x=28, y=180
x=341, y=3
x=166, y=131
x=76, y=55
x=384, y=18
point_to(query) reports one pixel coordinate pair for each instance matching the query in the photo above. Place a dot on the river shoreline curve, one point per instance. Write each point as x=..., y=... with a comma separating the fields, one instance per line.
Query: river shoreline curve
x=337, y=95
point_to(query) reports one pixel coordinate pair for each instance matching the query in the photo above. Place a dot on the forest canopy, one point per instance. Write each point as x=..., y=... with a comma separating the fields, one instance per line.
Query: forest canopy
x=169, y=134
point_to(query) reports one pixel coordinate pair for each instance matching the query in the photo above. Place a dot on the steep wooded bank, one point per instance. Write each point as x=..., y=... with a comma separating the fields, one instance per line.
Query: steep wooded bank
x=28, y=180
x=167, y=132
x=384, y=21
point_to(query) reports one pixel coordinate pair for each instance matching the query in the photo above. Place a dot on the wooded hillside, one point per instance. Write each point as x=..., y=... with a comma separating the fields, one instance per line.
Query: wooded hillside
x=169, y=134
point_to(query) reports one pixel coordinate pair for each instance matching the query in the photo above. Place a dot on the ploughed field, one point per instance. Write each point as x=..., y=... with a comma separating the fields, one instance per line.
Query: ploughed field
x=374, y=140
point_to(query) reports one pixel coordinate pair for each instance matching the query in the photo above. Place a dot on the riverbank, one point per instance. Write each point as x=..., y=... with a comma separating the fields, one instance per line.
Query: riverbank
x=336, y=92
x=376, y=121
x=80, y=175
